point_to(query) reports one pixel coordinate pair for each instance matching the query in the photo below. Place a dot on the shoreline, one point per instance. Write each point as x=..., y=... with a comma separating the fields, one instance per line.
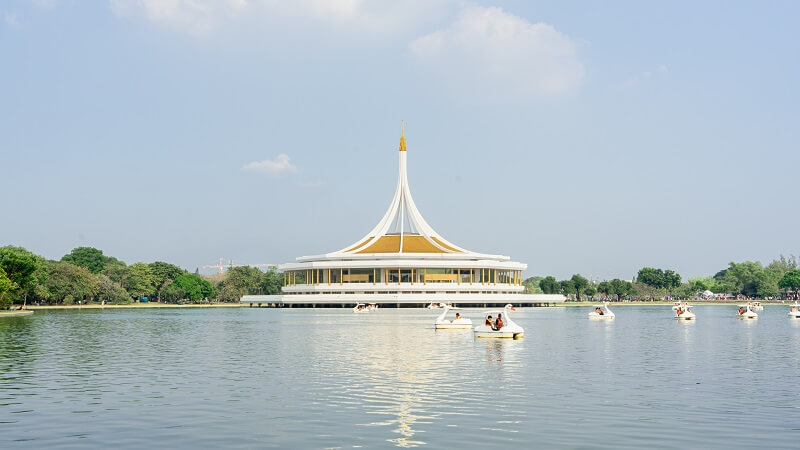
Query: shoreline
x=132, y=306
x=670, y=303
x=15, y=313
x=585, y=304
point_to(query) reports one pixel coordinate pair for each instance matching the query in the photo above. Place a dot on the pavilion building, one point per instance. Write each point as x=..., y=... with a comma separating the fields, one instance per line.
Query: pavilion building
x=403, y=261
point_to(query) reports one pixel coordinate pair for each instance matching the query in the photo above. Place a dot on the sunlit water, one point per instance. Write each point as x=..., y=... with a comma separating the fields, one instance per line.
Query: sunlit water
x=332, y=379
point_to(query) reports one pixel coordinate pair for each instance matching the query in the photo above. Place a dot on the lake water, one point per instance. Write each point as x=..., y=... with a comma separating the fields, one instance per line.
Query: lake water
x=211, y=378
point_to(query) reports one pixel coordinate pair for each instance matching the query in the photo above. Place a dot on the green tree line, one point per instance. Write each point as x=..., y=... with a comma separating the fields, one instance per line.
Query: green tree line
x=87, y=275
x=780, y=278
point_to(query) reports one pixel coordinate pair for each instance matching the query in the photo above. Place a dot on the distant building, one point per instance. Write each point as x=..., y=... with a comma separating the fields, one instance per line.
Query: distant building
x=403, y=261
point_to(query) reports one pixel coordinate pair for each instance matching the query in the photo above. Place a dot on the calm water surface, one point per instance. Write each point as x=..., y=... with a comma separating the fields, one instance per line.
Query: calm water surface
x=333, y=379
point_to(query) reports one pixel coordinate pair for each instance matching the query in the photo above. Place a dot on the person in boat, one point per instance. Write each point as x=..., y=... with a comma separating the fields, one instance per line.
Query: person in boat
x=794, y=309
x=498, y=323
x=458, y=316
x=741, y=310
x=489, y=322
x=680, y=310
x=598, y=311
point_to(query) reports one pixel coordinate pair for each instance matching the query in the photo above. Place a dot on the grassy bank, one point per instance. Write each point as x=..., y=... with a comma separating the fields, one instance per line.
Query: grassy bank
x=135, y=305
x=663, y=303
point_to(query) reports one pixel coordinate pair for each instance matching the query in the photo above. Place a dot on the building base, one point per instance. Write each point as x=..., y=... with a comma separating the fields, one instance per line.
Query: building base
x=400, y=300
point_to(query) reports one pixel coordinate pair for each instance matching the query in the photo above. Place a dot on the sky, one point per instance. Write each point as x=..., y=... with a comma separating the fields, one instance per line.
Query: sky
x=576, y=137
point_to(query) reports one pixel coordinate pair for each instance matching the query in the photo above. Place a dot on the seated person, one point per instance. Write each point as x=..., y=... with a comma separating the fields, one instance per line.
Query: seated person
x=489, y=322
x=680, y=311
x=498, y=323
x=598, y=311
x=741, y=310
x=458, y=316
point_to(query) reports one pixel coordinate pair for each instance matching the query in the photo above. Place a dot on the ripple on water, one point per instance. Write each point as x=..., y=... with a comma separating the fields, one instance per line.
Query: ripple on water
x=331, y=379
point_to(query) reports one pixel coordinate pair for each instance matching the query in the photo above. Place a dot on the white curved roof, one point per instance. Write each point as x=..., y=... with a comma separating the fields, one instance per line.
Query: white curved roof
x=403, y=232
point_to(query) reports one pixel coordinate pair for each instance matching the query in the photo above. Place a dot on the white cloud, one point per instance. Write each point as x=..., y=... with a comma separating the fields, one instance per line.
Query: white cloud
x=199, y=17
x=489, y=51
x=10, y=19
x=281, y=164
x=195, y=17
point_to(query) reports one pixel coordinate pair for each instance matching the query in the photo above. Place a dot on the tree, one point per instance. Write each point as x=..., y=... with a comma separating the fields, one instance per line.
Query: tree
x=188, y=286
x=6, y=285
x=741, y=278
x=18, y=265
x=604, y=287
x=88, y=257
x=111, y=291
x=567, y=287
x=671, y=280
x=163, y=273
x=66, y=282
x=579, y=284
x=138, y=280
x=790, y=280
x=651, y=277
x=766, y=283
x=532, y=285
x=658, y=278
x=240, y=281
x=115, y=270
x=549, y=285
x=700, y=284
x=620, y=288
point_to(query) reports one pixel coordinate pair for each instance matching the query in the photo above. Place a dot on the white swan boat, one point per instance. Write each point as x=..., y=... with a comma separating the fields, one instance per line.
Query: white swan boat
x=458, y=323
x=794, y=311
x=746, y=312
x=684, y=312
x=361, y=308
x=509, y=329
x=435, y=305
x=602, y=312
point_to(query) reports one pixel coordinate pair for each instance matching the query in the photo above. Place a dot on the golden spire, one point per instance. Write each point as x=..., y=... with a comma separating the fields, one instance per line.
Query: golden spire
x=402, y=136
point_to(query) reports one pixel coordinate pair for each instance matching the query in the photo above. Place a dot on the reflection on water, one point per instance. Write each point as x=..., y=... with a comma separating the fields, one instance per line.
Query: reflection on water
x=329, y=379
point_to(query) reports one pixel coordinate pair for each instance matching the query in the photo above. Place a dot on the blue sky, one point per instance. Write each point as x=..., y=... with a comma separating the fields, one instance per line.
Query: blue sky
x=574, y=136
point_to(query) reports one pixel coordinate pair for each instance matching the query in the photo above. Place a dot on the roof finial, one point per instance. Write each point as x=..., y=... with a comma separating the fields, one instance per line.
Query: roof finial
x=402, y=136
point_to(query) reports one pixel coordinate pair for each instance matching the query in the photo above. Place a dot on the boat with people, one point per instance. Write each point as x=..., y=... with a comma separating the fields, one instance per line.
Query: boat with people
x=498, y=324
x=746, y=312
x=434, y=305
x=361, y=308
x=602, y=312
x=457, y=323
x=794, y=311
x=684, y=312
x=756, y=306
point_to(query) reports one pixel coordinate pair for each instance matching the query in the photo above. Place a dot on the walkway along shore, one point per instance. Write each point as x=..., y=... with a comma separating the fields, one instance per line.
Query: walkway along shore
x=585, y=304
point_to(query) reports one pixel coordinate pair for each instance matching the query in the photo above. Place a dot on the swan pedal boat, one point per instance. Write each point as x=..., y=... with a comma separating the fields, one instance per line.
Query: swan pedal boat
x=510, y=329
x=794, y=312
x=686, y=312
x=442, y=323
x=757, y=306
x=361, y=308
x=748, y=312
x=607, y=313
